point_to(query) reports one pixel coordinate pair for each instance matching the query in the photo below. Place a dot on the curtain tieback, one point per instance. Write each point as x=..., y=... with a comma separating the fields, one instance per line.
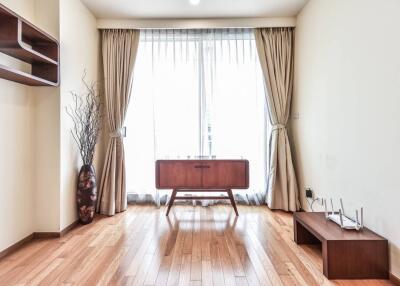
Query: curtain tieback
x=278, y=126
x=119, y=133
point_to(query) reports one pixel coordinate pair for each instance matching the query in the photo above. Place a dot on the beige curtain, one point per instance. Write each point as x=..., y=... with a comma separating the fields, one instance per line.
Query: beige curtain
x=119, y=48
x=275, y=48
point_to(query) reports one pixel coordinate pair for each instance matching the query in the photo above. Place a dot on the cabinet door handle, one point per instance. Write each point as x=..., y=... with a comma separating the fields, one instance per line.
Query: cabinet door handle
x=198, y=166
x=202, y=166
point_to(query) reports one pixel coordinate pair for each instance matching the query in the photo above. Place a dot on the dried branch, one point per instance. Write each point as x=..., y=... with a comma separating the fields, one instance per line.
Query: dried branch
x=86, y=116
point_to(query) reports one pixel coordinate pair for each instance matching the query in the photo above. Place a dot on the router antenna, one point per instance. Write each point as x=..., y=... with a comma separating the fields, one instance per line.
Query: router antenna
x=357, y=223
x=332, y=206
x=341, y=205
x=341, y=218
x=362, y=217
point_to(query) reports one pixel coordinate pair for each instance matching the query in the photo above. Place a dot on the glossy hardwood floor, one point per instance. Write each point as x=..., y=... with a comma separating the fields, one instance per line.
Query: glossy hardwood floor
x=193, y=246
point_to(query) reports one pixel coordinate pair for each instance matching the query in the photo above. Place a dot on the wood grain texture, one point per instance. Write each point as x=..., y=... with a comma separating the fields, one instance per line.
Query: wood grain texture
x=202, y=174
x=347, y=254
x=193, y=246
x=16, y=246
x=220, y=174
x=24, y=41
x=172, y=174
x=37, y=235
x=395, y=280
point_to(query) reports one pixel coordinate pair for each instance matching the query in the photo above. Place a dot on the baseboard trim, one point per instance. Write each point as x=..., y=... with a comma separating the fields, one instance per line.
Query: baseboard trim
x=395, y=280
x=37, y=235
x=69, y=228
x=16, y=246
x=41, y=235
x=56, y=234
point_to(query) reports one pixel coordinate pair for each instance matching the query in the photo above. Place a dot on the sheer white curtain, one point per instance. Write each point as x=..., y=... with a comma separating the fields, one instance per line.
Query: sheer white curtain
x=196, y=93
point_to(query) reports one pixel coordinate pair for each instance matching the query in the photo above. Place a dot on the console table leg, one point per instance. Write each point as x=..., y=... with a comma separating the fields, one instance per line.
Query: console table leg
x=232, y=199
x=171, y=201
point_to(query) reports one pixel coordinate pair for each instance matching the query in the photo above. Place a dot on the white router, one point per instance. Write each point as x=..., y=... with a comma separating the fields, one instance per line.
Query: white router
x=341, y=219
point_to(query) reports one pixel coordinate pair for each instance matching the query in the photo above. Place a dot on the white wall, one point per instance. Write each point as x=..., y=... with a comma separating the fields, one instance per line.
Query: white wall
x=31, y=143
x=47, y=130
x=347, y=93
x=80, y=52
x=16, y=149
x=17, y=164
x=25, y=8
x=39, y=161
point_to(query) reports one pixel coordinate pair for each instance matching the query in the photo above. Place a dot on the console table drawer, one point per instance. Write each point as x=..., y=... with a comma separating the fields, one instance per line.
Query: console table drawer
x=225, y=175
x=202, y=174
x=178, y=174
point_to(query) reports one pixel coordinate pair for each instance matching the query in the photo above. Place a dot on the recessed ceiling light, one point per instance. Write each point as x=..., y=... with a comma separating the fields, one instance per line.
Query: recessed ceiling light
x=194, y=2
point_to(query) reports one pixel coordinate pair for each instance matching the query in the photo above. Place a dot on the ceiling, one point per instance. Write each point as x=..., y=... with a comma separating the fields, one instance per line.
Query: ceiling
x=167, y=9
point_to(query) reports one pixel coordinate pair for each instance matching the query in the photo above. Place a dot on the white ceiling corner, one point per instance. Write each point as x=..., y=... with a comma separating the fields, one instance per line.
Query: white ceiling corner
x=182, y=9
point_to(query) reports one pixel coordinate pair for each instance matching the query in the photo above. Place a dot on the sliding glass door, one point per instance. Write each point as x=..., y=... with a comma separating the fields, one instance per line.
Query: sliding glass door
x=196, y=93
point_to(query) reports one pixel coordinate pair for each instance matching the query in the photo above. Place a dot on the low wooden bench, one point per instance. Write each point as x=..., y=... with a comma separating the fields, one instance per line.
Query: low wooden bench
x=346, y=254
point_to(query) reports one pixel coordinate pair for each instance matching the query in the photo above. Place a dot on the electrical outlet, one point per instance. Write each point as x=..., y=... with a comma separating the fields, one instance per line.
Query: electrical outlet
x=309, y=193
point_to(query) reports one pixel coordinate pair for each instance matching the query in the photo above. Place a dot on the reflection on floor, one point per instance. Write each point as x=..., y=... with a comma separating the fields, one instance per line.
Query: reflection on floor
x=193, y=246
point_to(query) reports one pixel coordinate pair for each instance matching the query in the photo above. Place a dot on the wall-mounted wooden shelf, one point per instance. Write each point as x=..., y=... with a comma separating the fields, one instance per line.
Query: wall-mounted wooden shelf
x=23, y=77
x=22, y=40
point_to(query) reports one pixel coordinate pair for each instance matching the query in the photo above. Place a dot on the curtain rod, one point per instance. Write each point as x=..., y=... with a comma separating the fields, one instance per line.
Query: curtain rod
x=195, y=23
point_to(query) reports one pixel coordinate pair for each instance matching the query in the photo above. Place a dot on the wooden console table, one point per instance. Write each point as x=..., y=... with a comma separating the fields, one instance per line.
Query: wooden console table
x=202, y=176
x=346, y=254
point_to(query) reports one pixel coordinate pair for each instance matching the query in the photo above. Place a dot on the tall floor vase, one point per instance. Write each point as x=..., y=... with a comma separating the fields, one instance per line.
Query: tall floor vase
x=86, y=194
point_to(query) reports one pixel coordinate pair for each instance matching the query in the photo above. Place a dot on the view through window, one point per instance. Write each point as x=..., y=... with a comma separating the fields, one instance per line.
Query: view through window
x=196, y=93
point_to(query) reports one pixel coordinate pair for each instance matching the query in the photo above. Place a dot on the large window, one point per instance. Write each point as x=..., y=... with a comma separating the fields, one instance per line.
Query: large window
x=196, y=93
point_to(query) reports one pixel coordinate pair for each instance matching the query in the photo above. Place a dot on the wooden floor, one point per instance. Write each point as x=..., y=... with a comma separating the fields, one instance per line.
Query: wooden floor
x=194, y=246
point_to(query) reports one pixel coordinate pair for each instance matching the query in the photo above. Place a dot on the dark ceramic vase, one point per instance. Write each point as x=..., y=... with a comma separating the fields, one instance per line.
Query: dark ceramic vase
x=86, y=194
